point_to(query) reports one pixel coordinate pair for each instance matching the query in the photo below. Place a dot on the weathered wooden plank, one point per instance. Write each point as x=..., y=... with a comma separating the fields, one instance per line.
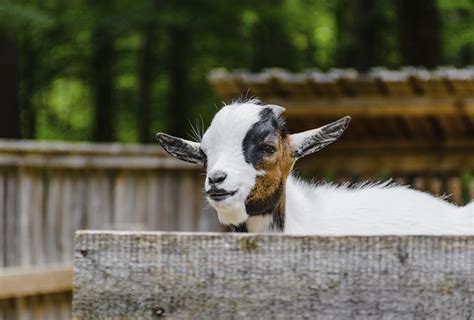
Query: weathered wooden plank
x=54, y=217
x=365, y=106
x=290, y=85
x=98, y=200
x=471, y=188
x=140, y=200
x=169, y=202
x=3, y=223
x=36, y=222
x=11, y=234
x=24, y=234
x=153, y=201
x=419, y=183
x=77, y=210
x=15, y=282
x=68, y=148
x=95, y=162
x=23, y=309
x=65, y=311
x=435, y=186
x=205, y=276
x=455, y=189
x=124, y=202
x=186, y=217
x=66, y=242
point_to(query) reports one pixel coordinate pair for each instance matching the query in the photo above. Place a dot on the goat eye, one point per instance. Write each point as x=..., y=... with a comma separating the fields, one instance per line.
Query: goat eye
x=268, y=149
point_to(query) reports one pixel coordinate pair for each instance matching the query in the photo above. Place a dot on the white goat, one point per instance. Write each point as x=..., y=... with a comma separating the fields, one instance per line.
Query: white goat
x=249, y=158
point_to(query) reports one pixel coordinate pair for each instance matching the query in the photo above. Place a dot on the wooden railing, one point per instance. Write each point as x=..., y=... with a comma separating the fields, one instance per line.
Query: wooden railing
x=49, y=190
x=24, y=282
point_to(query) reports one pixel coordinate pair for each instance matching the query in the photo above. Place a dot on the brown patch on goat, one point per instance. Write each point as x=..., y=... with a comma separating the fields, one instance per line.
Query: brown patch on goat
x=277, y=169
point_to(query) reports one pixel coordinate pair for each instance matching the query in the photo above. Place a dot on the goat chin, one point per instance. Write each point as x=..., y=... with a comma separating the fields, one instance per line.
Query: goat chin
x=377, y=209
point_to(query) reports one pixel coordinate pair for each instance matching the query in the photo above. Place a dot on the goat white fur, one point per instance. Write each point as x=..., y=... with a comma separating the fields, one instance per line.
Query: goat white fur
x=372, y=210
x=249, y=157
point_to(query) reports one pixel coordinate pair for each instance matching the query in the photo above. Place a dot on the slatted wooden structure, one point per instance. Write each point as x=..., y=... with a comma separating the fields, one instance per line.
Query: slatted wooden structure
x=412, y=124
x=49, y=190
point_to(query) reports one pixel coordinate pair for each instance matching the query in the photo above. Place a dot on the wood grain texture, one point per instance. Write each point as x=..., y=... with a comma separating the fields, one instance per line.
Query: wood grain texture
x=242, y=276
x=49, y=190
x=15, y=283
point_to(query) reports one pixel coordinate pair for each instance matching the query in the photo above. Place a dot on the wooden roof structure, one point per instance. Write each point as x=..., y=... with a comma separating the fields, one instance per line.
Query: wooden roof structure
x=428, y=115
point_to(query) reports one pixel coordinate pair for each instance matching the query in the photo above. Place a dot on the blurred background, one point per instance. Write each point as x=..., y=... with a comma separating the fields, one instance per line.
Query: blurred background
x=85, y=85
x=120, y=70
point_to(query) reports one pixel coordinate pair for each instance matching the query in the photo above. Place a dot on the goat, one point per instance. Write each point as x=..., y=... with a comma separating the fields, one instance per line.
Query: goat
x=249, y=156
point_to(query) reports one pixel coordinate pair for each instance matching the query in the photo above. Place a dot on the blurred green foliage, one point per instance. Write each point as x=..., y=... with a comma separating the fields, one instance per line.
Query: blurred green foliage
x=117, y=70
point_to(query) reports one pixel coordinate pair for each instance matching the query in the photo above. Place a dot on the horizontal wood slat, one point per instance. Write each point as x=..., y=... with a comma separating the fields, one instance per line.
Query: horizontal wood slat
x=21, y=282
x=434, y=104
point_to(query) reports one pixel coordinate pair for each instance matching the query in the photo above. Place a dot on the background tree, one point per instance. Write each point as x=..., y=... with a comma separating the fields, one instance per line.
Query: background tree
x=9, y=87
x=360, y=44
x=117, y=70
x=419, y=32
x=102, y=71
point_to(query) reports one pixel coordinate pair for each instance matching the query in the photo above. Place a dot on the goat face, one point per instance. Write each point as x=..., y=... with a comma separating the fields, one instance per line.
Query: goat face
x=248, y=155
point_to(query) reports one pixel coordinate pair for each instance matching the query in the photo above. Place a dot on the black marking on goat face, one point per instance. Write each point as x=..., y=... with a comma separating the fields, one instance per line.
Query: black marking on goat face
x=265, y=205
x=273, y=205
x=266, y=128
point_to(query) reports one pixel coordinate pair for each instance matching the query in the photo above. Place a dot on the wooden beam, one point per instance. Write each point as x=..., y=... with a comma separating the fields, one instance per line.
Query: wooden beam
x=83, y=155
x=376, y=106
x=245, y=276
x=454, y=145
x=95, y=162
x=70, y=148
x=399, y=157
x=16, y=282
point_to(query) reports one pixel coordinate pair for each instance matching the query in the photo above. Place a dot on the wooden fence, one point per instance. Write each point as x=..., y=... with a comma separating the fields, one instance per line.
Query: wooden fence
x=263, y=276
x=50, y=190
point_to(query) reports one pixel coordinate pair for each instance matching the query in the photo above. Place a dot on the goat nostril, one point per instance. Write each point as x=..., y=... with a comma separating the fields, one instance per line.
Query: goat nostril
x=217, y=177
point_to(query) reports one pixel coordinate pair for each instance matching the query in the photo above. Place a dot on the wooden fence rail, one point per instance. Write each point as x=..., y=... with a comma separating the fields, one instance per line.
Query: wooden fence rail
x=17, y=282
x=225, y=276
x=49, y=190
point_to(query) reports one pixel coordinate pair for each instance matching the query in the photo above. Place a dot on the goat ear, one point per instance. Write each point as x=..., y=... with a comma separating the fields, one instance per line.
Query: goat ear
x=277, y=110
x=310, y=141
x=185, y=150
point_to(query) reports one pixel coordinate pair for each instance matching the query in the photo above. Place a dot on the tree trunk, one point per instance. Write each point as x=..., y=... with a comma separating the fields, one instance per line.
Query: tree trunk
x=102, y=73
x=419, y=29
x=362, y=29
x=146, y=77
x=29, y=69
x=271, y=44
x=9, y=88
x=343, y=37
x=466, y=55
x=364, y=34
x=179, y=104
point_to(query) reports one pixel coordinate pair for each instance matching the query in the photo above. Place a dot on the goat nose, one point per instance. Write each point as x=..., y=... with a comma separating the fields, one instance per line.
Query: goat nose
x=217, y=177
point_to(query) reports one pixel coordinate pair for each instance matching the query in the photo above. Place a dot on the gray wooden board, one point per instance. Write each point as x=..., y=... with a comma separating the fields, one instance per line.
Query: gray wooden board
x=230, y=275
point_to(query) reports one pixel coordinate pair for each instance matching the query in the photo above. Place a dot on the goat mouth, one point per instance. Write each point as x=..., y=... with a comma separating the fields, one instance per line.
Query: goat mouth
x=220, y=194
